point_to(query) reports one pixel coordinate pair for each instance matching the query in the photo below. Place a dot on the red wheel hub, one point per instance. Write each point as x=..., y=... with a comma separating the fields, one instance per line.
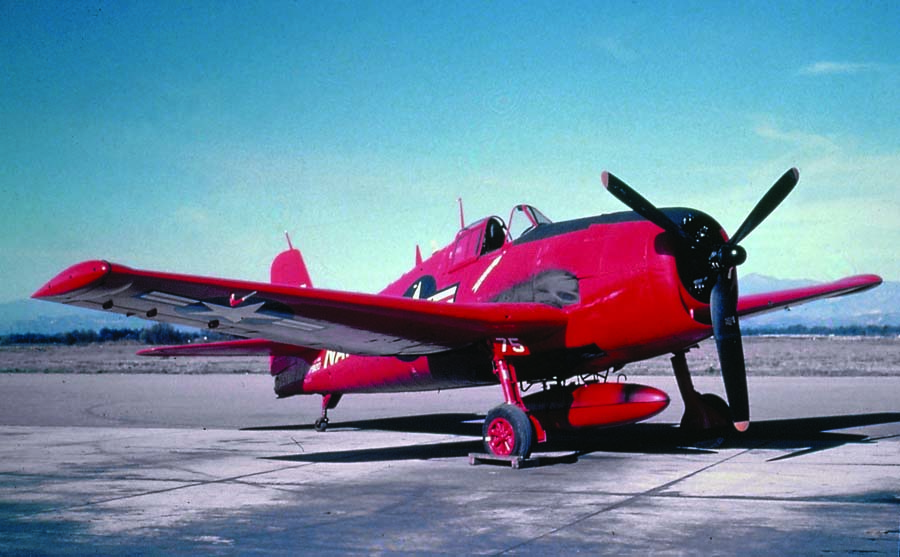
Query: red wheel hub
x=501, y=437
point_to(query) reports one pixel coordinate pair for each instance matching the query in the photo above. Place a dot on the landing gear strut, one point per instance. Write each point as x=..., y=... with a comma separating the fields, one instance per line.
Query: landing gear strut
x=329, y=401
x=509, y=430
x=705, y=415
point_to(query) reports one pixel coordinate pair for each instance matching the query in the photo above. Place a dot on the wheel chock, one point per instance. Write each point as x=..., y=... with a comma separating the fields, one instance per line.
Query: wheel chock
x=517, y=462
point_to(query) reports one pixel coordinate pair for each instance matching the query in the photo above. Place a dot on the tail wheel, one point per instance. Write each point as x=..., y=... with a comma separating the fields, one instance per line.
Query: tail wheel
x=321, y=424
x=508, y=431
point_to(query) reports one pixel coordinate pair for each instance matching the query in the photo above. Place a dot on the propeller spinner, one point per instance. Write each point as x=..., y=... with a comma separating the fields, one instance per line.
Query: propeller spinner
x=723, y=257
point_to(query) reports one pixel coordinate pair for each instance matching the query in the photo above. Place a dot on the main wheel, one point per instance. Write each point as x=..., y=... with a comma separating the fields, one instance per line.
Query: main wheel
x=507, y=431
x=708, y=422
x=718, y=405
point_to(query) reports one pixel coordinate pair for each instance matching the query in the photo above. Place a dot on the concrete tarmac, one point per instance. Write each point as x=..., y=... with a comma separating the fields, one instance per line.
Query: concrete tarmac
x=161, y=465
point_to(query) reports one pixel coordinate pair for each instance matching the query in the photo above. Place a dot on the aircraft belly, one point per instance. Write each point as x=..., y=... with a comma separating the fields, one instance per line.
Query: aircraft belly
x=341, y=373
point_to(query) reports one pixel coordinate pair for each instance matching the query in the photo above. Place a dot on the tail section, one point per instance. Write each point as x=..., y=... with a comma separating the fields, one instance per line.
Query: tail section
x=290, y=370
x=289, y=269
x=288, y=363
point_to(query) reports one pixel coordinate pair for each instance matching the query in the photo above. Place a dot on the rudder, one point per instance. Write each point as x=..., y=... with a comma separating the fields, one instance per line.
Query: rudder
x=289, y=269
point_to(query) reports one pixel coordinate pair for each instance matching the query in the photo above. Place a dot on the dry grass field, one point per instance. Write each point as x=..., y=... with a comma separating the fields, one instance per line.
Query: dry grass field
x=795, y=356
x=116, y=358
x=766, y=356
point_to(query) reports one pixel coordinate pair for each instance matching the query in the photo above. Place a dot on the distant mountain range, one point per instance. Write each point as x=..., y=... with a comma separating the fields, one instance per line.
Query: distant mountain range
x=34, y=316
x=876, y=307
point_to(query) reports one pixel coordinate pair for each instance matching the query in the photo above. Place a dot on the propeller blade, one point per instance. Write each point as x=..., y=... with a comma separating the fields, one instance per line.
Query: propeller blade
x=639, y=205
x=767, y=204
x=727, y=332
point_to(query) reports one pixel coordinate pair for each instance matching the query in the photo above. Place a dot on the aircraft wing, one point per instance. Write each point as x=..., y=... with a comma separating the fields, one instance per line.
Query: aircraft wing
x=354, y=323
x=761, y=303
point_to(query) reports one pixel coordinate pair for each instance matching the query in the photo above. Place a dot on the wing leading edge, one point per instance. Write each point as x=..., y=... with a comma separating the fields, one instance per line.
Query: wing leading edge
x=355, y=323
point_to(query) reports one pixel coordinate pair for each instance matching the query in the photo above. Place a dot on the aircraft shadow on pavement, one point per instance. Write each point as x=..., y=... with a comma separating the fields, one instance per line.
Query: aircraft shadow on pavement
x=797, y=436
x=452, y=424
x=810, y=435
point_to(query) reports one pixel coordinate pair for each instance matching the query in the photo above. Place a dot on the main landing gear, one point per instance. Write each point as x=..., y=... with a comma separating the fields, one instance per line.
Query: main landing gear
x=509, y=430
x=329, y=401
x=706, y=416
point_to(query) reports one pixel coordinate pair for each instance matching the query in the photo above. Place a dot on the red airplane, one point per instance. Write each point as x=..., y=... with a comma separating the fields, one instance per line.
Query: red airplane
x=536, y=303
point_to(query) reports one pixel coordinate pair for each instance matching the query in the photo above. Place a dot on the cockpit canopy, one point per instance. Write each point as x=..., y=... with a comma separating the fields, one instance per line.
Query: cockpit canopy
x=490, y=234
x=523, y=219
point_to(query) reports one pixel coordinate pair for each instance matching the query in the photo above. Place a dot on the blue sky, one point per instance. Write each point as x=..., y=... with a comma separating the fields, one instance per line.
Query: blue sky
x=189, y=136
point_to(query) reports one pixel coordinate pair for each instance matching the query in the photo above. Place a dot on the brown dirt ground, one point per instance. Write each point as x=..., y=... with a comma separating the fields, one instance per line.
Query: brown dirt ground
x=766, y=356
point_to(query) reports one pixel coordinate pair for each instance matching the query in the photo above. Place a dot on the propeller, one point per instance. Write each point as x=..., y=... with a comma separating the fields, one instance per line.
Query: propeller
x=719, y=267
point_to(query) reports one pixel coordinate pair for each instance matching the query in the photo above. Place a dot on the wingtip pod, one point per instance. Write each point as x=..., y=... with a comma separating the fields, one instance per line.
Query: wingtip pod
x=76, y=277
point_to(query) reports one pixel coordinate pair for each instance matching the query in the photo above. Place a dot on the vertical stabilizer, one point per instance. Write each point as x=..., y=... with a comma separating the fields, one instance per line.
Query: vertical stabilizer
x=289, y=269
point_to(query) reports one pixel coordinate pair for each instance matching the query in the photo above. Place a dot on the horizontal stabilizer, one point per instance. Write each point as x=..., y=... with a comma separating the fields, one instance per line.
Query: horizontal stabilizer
x=244, y=347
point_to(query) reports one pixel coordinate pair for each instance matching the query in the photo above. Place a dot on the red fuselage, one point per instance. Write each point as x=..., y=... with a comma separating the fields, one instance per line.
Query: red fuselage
x=615, y=275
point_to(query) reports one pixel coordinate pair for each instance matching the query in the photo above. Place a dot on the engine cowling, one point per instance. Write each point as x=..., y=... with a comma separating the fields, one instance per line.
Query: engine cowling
x=595, y=405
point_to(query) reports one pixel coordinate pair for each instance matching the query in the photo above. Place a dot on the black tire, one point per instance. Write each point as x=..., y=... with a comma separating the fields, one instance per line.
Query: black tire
x=507, y=431
x=718, y=427
x=718, y=404
x=321, y=424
